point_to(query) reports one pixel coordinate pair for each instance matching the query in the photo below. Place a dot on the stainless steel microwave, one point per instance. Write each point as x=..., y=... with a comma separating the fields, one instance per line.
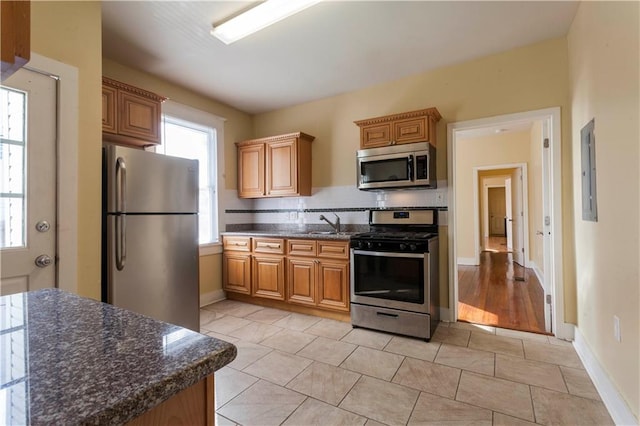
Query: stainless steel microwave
x=398, y=166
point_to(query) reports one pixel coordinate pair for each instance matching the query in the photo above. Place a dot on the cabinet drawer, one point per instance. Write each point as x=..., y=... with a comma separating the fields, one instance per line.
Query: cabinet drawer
x=410, y=130
x=268, y=245
x=236, y=243
x=375, y=135
x=301, y=248
x=333, y=249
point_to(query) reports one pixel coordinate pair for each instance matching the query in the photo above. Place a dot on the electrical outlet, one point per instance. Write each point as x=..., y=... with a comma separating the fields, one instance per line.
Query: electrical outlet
x=616, y=329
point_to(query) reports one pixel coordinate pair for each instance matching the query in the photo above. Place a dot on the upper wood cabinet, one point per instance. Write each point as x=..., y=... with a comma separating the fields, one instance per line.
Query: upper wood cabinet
x=408, y=127
x=16, y=35
x=130, y=115
x=276, y=166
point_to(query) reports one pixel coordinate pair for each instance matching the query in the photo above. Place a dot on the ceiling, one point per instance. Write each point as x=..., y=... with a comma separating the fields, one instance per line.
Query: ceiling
x=331, y=48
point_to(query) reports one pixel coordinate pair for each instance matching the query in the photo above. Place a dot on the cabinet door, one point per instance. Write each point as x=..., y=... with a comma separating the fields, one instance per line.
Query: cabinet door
x=301, y=281
x=375, y=135
x=410, y=130
x=282, y=168
x=251, y=171
x=139, y=117
x=333, y=285
x=109, y=101
x=268, y=277
x=236, y=272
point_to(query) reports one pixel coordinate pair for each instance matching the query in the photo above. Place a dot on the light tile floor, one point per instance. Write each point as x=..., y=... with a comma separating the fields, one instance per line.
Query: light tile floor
x=295, y=369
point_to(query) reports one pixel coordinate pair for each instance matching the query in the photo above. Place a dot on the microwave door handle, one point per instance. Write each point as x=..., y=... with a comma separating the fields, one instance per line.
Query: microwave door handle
x=410, y=168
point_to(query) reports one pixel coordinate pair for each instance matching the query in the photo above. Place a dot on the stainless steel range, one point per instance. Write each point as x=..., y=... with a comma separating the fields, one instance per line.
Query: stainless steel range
x=394, y=273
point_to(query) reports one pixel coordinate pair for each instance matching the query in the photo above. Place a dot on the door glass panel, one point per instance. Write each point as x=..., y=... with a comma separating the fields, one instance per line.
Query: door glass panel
x=13, y=168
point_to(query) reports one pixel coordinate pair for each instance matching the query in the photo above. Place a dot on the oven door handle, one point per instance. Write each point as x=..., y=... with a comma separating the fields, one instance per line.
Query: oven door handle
x=387, y=254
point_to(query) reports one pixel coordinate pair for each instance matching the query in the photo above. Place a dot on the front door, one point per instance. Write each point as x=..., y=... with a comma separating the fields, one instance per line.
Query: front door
x=27, y=182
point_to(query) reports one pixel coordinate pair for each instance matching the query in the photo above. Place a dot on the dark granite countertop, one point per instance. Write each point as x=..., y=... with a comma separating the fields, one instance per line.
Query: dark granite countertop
x=307, y=235
x=71, y=360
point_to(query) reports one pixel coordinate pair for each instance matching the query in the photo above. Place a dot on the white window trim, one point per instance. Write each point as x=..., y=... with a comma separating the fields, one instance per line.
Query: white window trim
x=205, y=119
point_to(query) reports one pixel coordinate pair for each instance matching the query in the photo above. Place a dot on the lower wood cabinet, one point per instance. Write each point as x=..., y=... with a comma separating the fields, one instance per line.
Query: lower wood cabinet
x=333, y=284
x=301, y=281
x=310, y=273
x=268, y=277
x=236, y=272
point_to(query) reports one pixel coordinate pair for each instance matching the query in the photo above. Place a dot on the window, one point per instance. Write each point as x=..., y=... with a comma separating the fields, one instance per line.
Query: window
x=182, y=136
x=13, y=168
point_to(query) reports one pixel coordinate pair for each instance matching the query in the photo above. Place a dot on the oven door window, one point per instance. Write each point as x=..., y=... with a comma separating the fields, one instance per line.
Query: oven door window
x=390, y=276
x=389, y=170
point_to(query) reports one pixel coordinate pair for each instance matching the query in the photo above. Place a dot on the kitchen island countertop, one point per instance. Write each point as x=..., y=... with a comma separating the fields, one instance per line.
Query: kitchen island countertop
x=73, y=360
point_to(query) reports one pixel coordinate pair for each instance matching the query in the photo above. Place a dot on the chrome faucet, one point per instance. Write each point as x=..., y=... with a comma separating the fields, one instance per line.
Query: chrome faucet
x=335, y=226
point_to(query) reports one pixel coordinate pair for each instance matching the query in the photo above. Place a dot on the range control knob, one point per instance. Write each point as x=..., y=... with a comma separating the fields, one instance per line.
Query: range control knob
x=412, y=247
x=369, y=245
x=357, y=244
x=403, y=246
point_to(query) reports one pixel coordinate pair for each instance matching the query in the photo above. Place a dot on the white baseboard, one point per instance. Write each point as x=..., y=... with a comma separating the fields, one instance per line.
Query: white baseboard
x=467, y=261
x=537, y=271
x=211, y=297
x=618, y=409
x=445, y=315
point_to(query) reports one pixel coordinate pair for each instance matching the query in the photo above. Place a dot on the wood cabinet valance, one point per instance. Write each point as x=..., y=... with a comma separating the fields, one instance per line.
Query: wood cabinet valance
x=130, y=115
x=396, y=129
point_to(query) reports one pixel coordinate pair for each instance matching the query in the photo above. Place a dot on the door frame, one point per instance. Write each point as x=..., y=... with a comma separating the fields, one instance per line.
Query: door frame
x=66, y=77
x=554, y=276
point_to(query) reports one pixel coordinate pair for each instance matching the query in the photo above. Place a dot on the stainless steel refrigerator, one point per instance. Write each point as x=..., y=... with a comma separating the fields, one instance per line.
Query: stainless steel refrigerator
x=150, y=234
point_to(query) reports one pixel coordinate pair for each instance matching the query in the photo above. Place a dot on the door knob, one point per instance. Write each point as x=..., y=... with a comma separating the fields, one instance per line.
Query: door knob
x=43, y=226
x=43, y=261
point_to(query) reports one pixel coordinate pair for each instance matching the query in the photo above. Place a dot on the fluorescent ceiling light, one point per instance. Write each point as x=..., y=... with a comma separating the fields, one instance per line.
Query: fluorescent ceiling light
x=259, y=17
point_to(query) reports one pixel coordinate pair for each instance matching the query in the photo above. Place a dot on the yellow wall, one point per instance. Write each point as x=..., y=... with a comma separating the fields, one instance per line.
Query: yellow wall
x=603, y=46
x=497, y=149
x=210, y=273
x=70, y=32
x=524, y=79
x=238, y=126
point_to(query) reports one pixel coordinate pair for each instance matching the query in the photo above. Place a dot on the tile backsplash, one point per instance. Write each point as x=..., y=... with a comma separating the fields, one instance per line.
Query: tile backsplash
x=348, y=202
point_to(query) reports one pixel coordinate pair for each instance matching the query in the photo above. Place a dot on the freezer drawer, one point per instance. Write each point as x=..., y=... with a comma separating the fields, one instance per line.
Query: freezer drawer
x=153, y=268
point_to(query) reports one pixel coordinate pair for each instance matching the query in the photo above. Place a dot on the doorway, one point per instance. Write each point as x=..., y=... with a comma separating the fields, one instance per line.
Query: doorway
x=550, y=228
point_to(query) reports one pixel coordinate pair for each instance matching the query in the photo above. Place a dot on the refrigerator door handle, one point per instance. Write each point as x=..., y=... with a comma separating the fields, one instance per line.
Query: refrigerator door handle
x=121, y=242
x=121, y=185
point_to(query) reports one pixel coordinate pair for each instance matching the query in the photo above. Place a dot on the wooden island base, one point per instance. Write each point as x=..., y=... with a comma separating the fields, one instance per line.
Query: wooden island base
x=192, y=406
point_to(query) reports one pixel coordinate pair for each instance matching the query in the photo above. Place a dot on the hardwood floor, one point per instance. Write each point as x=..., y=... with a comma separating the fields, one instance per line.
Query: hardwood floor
x=496, y=244
x=488, y=294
